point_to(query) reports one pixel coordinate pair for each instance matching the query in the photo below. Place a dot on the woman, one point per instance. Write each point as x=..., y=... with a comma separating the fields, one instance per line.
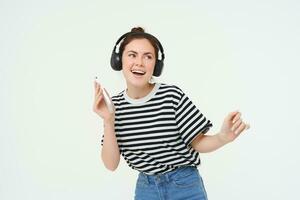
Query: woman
x=155, y=126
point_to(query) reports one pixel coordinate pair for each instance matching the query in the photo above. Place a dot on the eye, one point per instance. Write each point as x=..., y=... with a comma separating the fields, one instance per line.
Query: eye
x=149, y=57
x=132, y=55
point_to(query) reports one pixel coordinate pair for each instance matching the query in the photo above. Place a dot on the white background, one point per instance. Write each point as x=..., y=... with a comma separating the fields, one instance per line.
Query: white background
x=225, y=55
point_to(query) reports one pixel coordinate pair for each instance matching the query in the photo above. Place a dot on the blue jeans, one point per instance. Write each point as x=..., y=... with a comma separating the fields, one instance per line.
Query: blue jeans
x=184, y=183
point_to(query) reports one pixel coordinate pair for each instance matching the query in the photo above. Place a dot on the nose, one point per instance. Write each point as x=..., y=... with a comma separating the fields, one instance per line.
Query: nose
x=138, y=61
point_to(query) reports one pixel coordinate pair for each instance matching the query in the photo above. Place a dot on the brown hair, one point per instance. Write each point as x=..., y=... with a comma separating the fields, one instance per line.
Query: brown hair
x=131, y=37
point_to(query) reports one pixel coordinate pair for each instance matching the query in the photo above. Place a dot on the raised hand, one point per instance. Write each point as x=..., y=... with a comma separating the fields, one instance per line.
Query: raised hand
x=232, y=127
x=99, y=106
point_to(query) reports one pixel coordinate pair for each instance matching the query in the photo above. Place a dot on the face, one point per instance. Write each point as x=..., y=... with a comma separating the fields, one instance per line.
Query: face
x=138, y=61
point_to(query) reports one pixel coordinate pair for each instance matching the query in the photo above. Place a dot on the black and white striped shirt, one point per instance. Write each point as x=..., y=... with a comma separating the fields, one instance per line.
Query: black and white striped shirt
x=154, y=132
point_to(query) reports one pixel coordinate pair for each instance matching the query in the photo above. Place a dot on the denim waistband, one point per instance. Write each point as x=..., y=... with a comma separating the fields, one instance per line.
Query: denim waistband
x=168, y=176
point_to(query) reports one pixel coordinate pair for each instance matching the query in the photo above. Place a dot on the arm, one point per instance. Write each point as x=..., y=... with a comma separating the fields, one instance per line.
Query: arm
x=232, y=127
x=207, y=143
x=110, y=153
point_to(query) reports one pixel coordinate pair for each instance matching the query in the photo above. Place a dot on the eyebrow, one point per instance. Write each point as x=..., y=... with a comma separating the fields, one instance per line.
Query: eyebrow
x=146, y=53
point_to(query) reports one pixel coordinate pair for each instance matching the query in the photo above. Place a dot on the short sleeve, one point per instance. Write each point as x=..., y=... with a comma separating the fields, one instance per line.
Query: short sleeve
x=190, y=121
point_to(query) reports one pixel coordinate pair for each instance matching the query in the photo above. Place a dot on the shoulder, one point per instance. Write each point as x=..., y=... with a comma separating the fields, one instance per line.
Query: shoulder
x=170, y=88
x=117, y=98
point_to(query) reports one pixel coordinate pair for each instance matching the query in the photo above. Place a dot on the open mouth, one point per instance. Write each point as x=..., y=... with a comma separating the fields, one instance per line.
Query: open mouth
x=138, y=72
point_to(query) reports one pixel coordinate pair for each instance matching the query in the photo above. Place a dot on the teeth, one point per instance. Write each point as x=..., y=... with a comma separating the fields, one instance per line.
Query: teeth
x=138, y=71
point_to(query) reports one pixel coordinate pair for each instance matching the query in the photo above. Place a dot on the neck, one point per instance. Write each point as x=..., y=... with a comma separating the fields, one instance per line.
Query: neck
x=139, y=92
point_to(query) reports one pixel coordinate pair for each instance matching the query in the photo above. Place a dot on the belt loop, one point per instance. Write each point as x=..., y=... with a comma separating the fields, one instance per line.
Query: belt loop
x=146, y=178
x=167, y=177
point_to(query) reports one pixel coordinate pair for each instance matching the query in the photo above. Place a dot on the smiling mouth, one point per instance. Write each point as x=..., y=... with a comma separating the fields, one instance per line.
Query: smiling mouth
x=138, y=72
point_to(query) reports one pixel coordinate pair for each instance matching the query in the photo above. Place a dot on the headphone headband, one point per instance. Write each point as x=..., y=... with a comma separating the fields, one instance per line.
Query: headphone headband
x=142, y=34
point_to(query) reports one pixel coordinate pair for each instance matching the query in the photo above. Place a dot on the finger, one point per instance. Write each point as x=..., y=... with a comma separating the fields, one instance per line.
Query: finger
x=97, y=82
x=240, y=129
x=97, y=88
x=231, y=115
x=236, y=124
x=237, y=117
x=98, y=98
x=247, y=126
x=99, y=92
x=96, y=105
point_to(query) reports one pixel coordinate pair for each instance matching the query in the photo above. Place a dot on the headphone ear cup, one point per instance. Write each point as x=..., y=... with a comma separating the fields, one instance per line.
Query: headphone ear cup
x=115, y=61
x=158, y=68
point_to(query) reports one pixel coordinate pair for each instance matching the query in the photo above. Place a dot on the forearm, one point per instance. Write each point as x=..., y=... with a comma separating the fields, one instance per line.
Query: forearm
x=110, y=153
x=208, y=143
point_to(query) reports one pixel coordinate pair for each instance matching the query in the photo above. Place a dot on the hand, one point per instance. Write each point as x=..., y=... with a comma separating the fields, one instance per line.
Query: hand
x=99, y=106
x=232, y=127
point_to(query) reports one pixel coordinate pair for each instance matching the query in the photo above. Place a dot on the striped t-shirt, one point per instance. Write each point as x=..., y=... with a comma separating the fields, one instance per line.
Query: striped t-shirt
x=154, y=133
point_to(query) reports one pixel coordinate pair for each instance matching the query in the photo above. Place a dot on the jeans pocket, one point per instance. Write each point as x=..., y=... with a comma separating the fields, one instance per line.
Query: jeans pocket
x=187, y=178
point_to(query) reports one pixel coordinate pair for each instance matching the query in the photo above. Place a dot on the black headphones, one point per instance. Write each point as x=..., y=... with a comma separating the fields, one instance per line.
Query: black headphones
x=116, y=57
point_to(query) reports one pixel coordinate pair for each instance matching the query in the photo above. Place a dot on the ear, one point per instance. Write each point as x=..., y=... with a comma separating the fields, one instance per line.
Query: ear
x=116, y=61
x=158, y=68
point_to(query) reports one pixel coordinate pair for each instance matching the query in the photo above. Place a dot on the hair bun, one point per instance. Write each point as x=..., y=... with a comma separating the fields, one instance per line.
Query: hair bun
x=138, y=30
